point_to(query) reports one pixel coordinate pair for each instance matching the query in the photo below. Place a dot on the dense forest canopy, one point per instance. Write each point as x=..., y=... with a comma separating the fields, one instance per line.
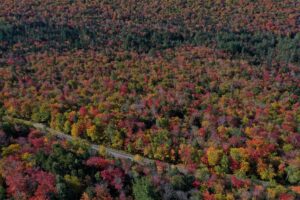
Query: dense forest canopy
x=212, y=86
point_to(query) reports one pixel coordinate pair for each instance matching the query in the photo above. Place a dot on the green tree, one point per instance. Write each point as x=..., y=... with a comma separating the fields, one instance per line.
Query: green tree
x=2, y=193
x=41, y=114
x=293, y=174
x=142, y=189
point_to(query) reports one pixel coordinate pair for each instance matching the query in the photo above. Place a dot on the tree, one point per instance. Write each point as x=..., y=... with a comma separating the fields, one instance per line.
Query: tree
x=75, y=130
x=41, y=114
x=293, y=174
x=73, y=182
x=59, y=121
x=46, y=186
x=142, y=189
x=102, y=193
x=98, y=162
x=213, y=155
x=10, y=149
x=2, y=192
x=92, y=133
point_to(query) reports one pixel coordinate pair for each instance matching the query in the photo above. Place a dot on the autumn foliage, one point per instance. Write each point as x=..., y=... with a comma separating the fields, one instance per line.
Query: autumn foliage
x=212, y=86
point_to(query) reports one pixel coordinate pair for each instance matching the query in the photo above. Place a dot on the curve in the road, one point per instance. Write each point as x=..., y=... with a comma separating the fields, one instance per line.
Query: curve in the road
x=110, y=151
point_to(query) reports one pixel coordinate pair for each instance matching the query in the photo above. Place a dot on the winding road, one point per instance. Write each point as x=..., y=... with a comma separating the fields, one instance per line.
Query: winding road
x=110, y=151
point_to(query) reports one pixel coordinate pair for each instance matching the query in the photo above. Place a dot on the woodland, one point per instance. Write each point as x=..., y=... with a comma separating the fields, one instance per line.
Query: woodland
x=210, y=86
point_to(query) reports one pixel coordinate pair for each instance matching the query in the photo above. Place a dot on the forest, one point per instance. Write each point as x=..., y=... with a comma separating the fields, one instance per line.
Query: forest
x=208, y=91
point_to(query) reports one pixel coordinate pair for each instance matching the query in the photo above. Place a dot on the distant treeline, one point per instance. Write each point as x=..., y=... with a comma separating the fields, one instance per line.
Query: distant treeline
x=257, y=47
